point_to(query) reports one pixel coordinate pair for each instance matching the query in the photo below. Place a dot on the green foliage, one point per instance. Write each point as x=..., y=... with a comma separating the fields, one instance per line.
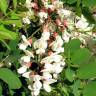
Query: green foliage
x=10, y=78
x=87, y=71
x=7, y=34
x=90, y=89
x=3, y=5
x=69, y=74
x=72, y=46
x=0, y=90
x=75, y=88
x=15, y=3
x=88, y=3
x=79, y=75
x=81, y=56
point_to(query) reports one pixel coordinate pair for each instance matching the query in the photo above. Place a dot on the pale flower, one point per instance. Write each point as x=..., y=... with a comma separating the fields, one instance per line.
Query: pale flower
x=26, y=74
x=28, y=4
x=45, y=35
x=24, y=44
x=37, y=85
x=26, y=20
x=29, y=53
x=35, y=93
x=43, y=16
x=57, y=44
x=40, y=45
x=83, y=25
x=64, y=13
x=46, y=87
x=66, y=36
x=25, y=59
x=58, y=4
x=22, y=69
x=46, y=75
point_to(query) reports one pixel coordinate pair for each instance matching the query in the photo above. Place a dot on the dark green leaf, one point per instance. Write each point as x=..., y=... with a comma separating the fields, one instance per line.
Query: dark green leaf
x=0, y=90
x=10, y=78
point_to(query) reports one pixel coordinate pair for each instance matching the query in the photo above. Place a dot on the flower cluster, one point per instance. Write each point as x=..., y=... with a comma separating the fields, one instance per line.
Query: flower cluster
x=42, y=64
x=42, y=61
x=65, y=20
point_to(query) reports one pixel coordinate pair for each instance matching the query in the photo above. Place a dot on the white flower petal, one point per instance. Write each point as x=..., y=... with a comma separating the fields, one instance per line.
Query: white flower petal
x=25, y=59
x=22, y=70
x=47, y=87
x=26, y=74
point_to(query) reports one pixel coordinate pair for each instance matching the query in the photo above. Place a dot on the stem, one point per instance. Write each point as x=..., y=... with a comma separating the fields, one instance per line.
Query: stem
x=4, y=59
x=35, y=32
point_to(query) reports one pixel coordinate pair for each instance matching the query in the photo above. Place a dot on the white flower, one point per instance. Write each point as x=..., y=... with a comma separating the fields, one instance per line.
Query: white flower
x=64, y=13
x=83, y=24
x=57, y=44
x=24, y=44
x=26, y=74
x=51, y=58
x=58, y=4
x=46, y=87
x=36, y=77
x=66, y=36
x=35, y=93
x=40, y=45
x=30, y=54
x=57, y=68
x=43, y=16
x=55, y=75
x=37, y=85
x=26, y=20
x=28, y=4
x=46, y=75
x=25, y=59
x=45, y=35
x=22, y=69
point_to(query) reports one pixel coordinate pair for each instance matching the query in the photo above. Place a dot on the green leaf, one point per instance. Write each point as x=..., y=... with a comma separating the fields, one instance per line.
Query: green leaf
x=0, y=90
x=81, y=56
x=89, y=3
x=72, y=46
x=7, y=34
x=3, y=5
x=10, y=78
x=90, y=89
x=71, y=1
x=15, y=3
x=75, y=88
x=87, y=71
x=69, y=74
x=8, y=47
x=18, y=23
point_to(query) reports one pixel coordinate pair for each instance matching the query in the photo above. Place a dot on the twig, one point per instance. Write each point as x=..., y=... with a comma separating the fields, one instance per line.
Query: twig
x=35, y=32
x=4, y=59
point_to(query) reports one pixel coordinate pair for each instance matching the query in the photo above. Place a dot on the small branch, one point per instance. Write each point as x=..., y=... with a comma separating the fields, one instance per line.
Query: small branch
x=35, y=32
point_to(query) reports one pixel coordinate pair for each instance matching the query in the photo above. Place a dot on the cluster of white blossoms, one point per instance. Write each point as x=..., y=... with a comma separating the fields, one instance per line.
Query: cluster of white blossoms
x=42, y=61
